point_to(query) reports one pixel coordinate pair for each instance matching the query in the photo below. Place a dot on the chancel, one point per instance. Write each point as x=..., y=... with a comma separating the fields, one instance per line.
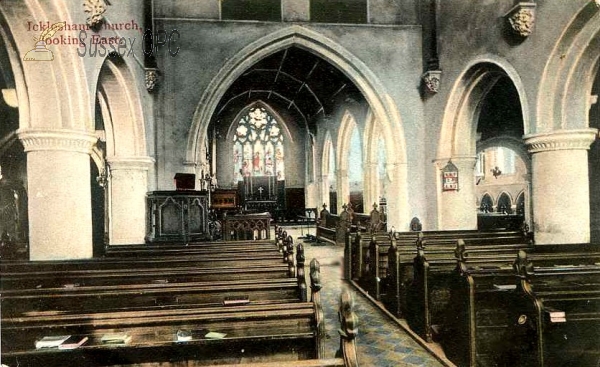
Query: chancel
x=235, y=181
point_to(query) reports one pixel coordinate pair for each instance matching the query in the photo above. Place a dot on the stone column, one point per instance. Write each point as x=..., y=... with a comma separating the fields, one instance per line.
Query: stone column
x=397, y=196
x=560, y=186
x=371, y=186
x=458, y=209
x=128, y=184
x=343, y=189
x=324, y=181
x=59, y=193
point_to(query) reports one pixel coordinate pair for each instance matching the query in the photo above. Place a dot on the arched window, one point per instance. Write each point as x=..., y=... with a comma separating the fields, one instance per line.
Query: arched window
x=258, y=146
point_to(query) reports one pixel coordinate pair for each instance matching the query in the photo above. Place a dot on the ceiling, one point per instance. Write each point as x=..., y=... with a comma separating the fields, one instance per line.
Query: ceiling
x=292, y=79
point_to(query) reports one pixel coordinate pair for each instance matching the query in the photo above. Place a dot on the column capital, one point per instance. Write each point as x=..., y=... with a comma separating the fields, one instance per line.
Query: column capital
x=579, y=139
x=130, y=163
x=57, y=140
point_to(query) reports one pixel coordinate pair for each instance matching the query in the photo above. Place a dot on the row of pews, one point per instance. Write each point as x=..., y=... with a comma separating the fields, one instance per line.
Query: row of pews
x=488, y=298
x=209, y=303
x=334, y=229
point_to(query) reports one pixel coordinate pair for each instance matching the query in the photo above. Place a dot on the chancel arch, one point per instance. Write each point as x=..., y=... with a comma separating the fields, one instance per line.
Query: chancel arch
x=488, y=88
x=375, y=166
x=335, y=55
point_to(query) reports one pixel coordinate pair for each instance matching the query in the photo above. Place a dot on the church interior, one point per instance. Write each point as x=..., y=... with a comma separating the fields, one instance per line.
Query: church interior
x=300, y=183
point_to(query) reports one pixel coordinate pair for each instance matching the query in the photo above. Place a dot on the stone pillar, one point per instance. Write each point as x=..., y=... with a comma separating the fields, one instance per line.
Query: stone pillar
x=324, y=183
x=458, y=209
x=128, y=184
x=371, y=186
x=343, y=189
x=59, y=193
x=560, y=186
x=397, y=196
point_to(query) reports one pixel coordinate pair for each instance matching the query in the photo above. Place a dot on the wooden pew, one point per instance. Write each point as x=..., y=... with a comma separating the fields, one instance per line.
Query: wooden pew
x=369, y=228
x=103, y=287
x=285, y=332
x=389, y=262
x=333, y=228
x=429, y=293
x=181, y=249
x=560, y=310
x=498, y=318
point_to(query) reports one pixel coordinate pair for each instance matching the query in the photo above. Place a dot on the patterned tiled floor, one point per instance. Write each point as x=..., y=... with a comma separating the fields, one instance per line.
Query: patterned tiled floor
x=380, y=341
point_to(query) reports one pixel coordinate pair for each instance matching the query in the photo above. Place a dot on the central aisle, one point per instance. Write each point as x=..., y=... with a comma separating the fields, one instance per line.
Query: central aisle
x=381, y=342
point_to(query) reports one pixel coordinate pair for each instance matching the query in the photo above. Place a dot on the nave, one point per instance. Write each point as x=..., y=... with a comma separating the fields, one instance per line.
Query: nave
x=380, y=342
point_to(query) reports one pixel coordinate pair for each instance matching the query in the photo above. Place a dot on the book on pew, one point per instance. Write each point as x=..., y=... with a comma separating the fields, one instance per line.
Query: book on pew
x=505, y=287
x=51, y=341
x=214, y=335
x=184, y=335
x=75, y=341
x=116, y=338
x=555, y=315
x=236, y=301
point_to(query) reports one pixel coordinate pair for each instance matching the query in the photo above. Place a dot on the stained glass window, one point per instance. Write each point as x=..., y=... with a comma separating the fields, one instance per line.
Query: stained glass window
x=258, y=146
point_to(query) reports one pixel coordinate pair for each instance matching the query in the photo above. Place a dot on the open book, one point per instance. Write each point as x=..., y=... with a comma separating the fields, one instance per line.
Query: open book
x=51, y=341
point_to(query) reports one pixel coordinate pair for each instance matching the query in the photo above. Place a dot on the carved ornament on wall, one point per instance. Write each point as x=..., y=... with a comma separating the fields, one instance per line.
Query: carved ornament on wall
x=151, y=78
x=431, y=80
x=522, y=18
x=95, y=11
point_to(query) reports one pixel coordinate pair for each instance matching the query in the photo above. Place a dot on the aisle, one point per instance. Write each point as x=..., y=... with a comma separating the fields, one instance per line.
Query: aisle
x=381, y=342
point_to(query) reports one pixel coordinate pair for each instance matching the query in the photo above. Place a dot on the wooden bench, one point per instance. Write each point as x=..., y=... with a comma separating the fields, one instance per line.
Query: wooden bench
x=333, y=228
x=285, y=332
x=182, y=249
x=55, y=289
x=497, y=318
x=429, y=293
x=389, y=261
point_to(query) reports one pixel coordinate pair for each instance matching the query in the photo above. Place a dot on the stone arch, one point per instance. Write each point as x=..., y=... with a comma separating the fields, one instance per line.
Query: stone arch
x=347, y=126
x=458, y=134
x=563, y=94
x=54, y=105
x=372, y=135
x=121, y=110
x=328, y=148
x=504, y=196
x=127, y=162
x=457, y=138
x=487, y=199
x=384, y=108
x=510, y=142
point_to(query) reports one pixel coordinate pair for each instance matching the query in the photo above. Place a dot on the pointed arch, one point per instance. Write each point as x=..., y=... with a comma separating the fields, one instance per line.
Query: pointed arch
x=328, y=164
x=121, y=110
x=563, y=94
x=359, y=73
x=458, y=135
x=347, y=127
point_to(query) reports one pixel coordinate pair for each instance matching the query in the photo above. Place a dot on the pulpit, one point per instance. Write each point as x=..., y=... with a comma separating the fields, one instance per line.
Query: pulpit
x=177, y=216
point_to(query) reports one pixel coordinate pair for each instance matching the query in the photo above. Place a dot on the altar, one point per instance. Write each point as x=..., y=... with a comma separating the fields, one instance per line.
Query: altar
x=262, y=194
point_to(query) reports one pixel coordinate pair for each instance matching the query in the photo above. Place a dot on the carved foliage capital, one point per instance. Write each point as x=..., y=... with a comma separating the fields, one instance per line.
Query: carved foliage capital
x=562, y=140
x=522, y=18
x=65, y=140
